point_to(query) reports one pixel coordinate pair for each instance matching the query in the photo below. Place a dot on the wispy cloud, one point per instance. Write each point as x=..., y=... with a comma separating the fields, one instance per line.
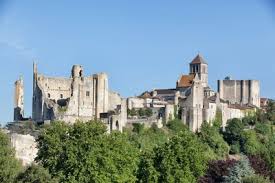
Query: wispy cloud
x=19, y=48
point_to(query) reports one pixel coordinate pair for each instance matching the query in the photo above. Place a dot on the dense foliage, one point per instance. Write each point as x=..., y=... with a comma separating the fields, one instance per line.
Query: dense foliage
x=217, y=171
x=241, y=170
x=84, y=152
x=181, y=159
x=210, y=135
x=9, y=166
x=35, y=174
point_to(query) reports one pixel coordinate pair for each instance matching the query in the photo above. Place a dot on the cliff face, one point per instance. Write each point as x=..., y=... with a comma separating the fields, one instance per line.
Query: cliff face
x=25, y=148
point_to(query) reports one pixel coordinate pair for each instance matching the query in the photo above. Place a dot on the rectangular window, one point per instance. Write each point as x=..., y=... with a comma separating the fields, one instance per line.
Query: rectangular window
x=87, y=93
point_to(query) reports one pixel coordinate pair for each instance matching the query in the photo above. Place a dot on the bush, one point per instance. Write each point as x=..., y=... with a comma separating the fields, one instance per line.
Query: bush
x=239, y=171
x=9, y=166
x=176, y=125
x=35, y=174
x=262, y=128
x=233, y=131
x=255, y=179
x=209, y=135
x=217, y=170
x=250, y=144
x=259, y=165
x=235, y=148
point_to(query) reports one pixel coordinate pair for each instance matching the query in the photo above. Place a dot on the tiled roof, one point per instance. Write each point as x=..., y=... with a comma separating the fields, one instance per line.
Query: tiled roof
x=186, y=80
x=145, y=95
x=198, y=60
x=242, y=107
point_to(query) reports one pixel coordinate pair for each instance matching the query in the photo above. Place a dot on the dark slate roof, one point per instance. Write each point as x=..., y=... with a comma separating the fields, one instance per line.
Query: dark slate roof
x=165, y=91
x=198, y=60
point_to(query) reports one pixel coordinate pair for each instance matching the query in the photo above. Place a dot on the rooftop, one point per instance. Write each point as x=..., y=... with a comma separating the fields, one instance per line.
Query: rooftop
x=198, y=60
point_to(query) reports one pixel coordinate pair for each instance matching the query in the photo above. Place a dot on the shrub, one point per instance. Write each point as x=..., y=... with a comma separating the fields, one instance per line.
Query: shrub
x=176, y=125
x=255, y=179
x=239, y=171
x=217, y=170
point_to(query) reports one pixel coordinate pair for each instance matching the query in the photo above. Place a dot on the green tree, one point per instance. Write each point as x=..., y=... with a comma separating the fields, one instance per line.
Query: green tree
x=233, y=134
x=148, y=112
x=147, y=139
x=9, y=166
x=146, y=170
x=210, y=136
x=239, y=171
x=176, y=125
x=182, y=159
x=233, y=131
x=249, y=120
x=141, y=112
x=84, y=152
x=250, y=144
x=132, y=112
x=271, y=111
x=35, y=174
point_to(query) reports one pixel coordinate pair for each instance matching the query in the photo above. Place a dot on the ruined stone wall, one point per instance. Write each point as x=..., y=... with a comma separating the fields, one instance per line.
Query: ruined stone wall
x=135, y=102
x=19, y=100
x=55, y=88
x=25, y=148
x=169, y=112
x=70, y=99
x=114, y=100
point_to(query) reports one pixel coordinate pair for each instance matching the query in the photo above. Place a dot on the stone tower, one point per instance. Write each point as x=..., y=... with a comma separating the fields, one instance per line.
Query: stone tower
x=19, y=100
x=197, y=104
x=200, y=67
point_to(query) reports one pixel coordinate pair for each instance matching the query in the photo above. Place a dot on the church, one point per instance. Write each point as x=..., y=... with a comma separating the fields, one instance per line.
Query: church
x=196, y=102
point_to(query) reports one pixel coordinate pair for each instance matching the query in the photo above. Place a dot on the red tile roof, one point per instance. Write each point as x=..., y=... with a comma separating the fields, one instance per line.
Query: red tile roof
x=186, y=81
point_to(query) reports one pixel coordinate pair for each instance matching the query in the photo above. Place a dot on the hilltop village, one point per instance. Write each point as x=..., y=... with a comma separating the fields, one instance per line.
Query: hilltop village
x=85, y=98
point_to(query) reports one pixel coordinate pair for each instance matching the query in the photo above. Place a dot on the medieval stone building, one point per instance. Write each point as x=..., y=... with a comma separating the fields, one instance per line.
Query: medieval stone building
x=196, y=102
x=71, y=99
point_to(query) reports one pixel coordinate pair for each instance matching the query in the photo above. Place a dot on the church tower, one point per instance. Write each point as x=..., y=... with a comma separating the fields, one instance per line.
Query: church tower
x=200, y=67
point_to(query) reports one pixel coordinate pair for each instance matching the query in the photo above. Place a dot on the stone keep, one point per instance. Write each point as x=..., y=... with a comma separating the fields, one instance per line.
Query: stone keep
x=70, y=99
x=240, y=91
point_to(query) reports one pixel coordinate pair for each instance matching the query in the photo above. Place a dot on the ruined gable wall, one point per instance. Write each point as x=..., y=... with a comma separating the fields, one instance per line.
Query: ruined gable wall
x=114, y=100
x=55, y=87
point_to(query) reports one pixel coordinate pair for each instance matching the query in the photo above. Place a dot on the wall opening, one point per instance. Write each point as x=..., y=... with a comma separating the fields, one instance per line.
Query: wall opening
x=117, y=125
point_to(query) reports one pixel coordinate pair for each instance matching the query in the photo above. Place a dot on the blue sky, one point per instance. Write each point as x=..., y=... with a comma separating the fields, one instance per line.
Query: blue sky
x=140, y=44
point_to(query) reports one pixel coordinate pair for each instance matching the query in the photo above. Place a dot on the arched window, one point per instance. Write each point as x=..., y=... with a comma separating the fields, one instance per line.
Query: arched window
x=61, y=95
x=49, y=95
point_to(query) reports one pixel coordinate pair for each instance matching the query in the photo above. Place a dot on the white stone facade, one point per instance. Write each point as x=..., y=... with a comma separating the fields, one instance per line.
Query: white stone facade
x=76, y=98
